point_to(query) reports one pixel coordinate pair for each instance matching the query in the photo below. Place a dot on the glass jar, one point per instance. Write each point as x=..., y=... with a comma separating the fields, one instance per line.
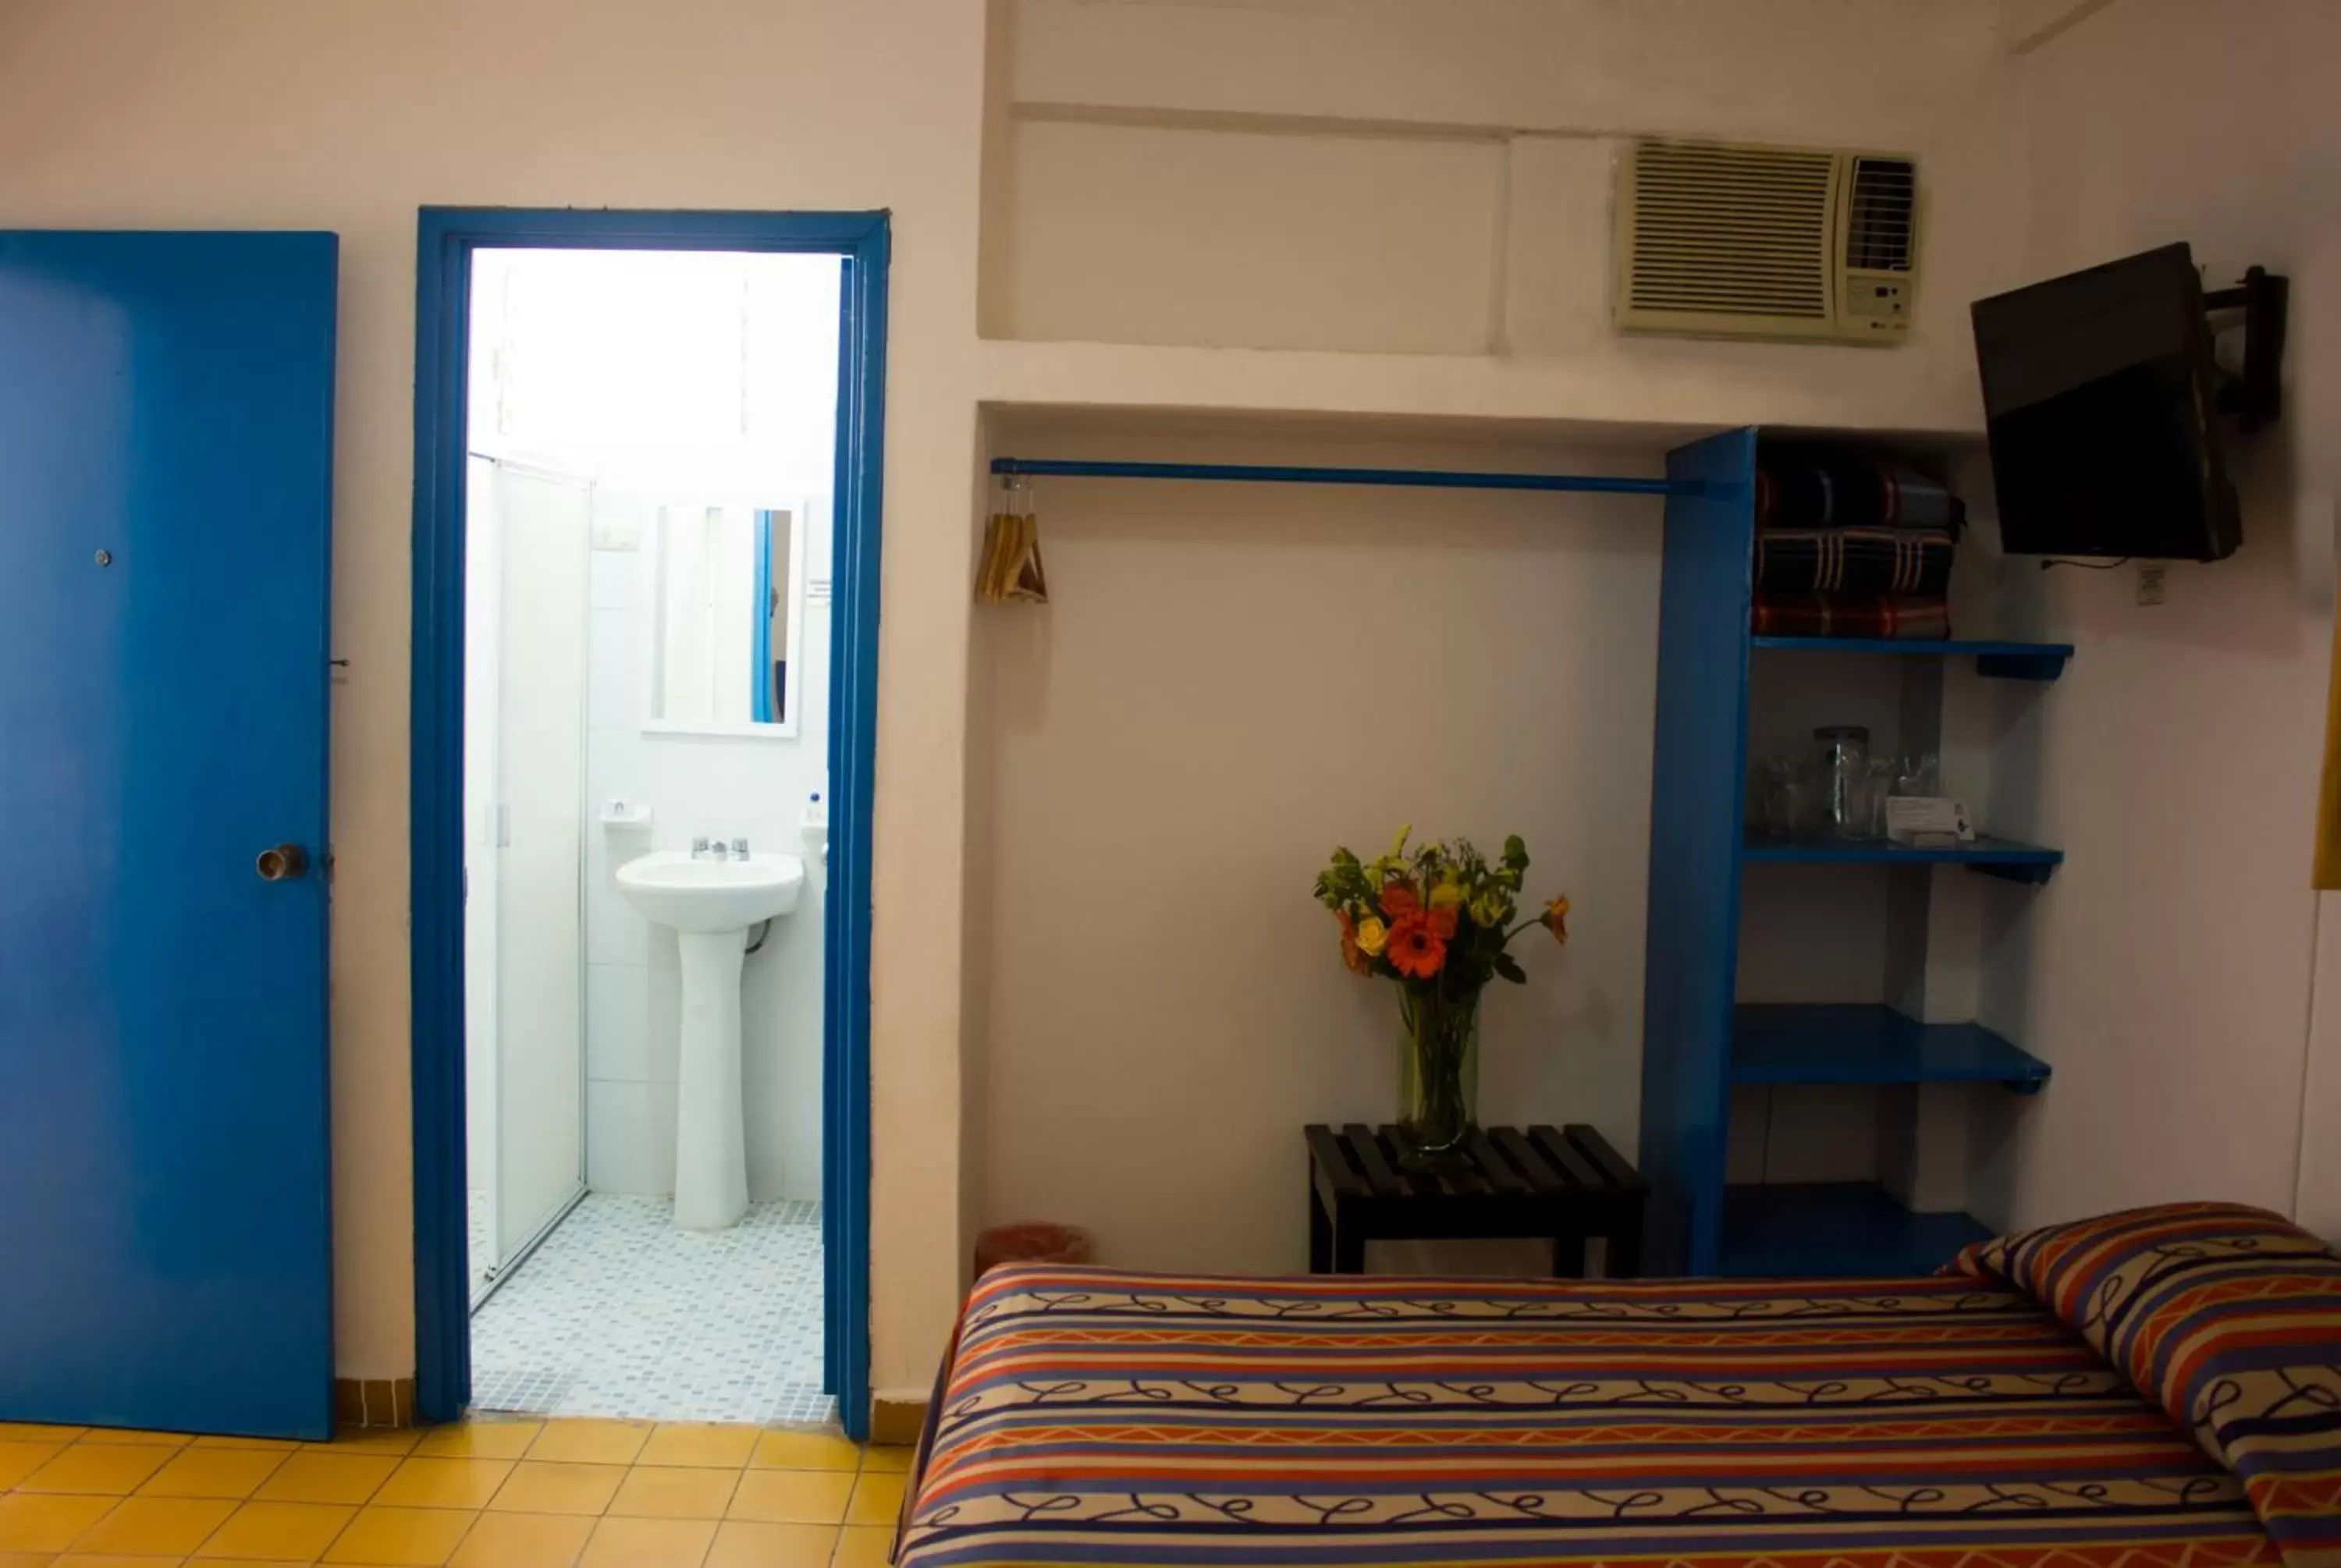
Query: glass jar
x=1841, y=769
x=1883, y=772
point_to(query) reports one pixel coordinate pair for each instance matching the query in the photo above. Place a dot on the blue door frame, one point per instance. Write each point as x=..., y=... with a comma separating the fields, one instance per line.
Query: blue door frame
x=447, y=238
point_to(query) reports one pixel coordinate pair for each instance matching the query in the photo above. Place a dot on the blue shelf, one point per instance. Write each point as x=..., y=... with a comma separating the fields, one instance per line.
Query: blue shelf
x=1998, y=857
x=2006, y=660
x=1864, y=1043
x=1835, y=1230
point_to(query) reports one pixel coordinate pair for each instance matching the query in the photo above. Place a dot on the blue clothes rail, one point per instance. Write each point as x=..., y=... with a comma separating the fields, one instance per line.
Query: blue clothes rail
x=1428, y=479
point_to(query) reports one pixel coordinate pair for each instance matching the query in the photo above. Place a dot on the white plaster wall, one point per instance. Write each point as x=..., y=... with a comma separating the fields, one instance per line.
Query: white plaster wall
x=1144, y=233
x=1837, y=69
x=1230, y=680
x=351, y=115
x=2167, y=971
x=1386, y=178
x=2158, y=971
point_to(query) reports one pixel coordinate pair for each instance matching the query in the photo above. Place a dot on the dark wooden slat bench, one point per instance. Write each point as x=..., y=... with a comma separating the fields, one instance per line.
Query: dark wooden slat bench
x=1564, y=1183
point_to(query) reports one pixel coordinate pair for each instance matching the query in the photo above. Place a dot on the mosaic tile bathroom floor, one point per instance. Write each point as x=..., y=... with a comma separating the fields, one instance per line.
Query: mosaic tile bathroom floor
x=623, y=1313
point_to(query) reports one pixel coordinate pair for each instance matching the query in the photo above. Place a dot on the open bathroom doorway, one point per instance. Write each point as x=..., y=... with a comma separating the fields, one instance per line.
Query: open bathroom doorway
x=646, y=516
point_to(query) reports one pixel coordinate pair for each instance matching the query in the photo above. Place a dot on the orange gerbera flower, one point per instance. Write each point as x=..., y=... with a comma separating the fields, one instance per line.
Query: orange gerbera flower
x=1353, y=958
x=1442, y=923
x=1400, y=900
x=1415, y=950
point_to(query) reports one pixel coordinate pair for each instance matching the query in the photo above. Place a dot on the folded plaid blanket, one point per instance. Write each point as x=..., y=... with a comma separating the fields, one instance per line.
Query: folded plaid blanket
x=1801, y=491
x=1839, y=615
x=1854, y=561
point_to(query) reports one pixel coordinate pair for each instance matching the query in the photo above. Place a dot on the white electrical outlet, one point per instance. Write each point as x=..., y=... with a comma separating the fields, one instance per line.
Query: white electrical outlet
x=617, y=533
x=2149, y=584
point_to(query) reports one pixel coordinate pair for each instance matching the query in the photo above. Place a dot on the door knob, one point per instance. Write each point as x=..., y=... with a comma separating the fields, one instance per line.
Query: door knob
x=282, y=864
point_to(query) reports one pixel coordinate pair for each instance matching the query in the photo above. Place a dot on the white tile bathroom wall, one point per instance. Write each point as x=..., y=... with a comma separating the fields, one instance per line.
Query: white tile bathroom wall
x=720, y=786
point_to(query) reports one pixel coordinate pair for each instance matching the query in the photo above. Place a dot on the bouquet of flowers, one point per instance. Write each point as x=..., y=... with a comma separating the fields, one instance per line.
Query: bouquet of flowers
x=1438, y=921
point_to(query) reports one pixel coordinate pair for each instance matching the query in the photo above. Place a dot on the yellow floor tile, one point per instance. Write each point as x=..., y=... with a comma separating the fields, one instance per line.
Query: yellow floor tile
x=31, y=1522
x=376, y=1440
x=804, y=1451
x=402, y=1537
x=877, y=1498
x=327, y=1475
x=894, y=1460
x=748, y=1543
x=107, y=1469
x=34, y=1432
x=29, y=1560
x=103, y=1560
x=862, y=1546
x=269, y=1444
x=792, y=1496
x=278, y=1532
x=479, y=1440
x=156, y=1526
x=18, y=1460
x=723, y=1447
x=524, y=1541
x=539, y=1486
x=213, y=1472
x=656, y=1491
x=591, y=1442
x=135, y=1435
x=648, y=1543
x=444, y=1483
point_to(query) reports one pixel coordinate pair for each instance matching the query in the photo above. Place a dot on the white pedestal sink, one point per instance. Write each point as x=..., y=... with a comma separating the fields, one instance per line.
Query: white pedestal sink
x=710, y=904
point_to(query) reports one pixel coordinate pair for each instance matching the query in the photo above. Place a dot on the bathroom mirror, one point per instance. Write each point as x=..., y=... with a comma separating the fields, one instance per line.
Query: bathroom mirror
x=725, y=588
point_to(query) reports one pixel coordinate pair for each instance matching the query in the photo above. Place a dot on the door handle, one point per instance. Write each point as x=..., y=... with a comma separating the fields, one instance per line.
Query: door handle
x=282, y=864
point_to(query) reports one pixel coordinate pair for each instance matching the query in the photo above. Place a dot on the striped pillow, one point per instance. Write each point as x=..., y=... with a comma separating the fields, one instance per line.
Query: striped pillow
x=2229, y=1318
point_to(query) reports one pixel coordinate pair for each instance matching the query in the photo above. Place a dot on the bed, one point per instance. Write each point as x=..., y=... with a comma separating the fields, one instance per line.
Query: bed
x=1977, y=1419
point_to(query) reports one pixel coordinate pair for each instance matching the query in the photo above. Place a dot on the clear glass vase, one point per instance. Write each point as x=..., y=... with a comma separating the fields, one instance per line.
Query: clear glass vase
x=1438, y=1073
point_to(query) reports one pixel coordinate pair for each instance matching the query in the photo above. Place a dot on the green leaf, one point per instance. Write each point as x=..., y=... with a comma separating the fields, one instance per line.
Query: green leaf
x=1509, y=967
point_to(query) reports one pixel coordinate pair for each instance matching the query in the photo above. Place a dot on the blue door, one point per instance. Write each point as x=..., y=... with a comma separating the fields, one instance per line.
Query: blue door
x=165, y=445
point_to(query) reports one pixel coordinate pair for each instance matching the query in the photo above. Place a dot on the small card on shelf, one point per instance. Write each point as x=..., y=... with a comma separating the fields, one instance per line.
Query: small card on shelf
x=1927, y=822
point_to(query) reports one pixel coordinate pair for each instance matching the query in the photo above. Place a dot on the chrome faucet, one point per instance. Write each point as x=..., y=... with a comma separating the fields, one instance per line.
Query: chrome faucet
x=739, y=848
x=699, y=851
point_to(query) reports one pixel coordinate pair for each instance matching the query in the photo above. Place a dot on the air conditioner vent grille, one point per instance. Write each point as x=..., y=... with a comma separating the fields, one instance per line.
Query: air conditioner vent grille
x=1736, y=240
x=1884, y=205
x=1731, y=231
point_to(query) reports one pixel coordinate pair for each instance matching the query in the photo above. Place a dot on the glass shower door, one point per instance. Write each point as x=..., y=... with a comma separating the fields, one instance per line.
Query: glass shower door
x=525, y=905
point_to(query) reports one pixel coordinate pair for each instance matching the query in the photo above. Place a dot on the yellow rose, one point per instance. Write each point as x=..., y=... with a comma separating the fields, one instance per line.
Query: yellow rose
x=1446, y=895
x=1372, y=937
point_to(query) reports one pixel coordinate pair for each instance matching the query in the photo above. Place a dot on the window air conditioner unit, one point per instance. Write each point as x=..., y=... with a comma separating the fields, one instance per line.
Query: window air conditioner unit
x=1719, y=239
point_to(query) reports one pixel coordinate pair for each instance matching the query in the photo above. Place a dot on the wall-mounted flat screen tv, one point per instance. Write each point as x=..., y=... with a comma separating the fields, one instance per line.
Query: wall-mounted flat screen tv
x=2101, y=395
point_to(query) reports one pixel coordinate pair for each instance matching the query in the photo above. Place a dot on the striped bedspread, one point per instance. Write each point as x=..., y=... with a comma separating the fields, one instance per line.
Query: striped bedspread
x=1091, y=1416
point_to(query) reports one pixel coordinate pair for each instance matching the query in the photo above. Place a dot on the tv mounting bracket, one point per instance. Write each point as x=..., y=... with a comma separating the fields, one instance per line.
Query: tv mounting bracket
x=2256, y=395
